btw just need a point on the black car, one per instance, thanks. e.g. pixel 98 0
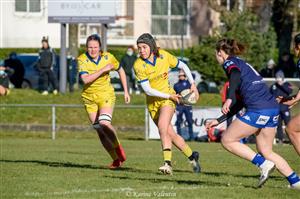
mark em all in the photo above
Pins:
pixel 31 76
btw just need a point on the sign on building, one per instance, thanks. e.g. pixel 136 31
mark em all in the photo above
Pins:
pixel 83 11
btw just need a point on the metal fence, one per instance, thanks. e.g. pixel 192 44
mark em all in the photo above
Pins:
pixel 53 108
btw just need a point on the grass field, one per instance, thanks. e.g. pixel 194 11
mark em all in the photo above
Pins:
pixel 34 166
pixel 71 116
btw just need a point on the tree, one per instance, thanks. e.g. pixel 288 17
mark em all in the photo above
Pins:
pixel 242 26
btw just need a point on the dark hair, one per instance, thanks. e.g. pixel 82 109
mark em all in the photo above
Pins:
pixel 147 38
pixel 230 46
pixel 45 39
pixel 297 39
pixel 94 37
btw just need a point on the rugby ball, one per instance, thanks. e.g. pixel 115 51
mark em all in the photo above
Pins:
pixel 188 97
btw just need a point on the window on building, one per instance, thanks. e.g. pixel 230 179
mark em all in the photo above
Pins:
pixel 169 17
pixel 28 6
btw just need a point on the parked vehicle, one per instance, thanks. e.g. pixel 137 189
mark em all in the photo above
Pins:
pixel 31 76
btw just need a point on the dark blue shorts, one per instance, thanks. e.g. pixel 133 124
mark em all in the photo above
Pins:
pixel 260 118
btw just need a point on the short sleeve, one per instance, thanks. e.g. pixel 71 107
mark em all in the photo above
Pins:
pixel 140 72
pixel 173 61
pixel 114 61
pixel 81 67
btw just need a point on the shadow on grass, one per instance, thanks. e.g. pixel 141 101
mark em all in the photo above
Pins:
pixel 75 165
pixel 217 174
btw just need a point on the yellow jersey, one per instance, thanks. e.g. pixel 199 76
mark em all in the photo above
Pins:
pixel 157 73
pixel 87 65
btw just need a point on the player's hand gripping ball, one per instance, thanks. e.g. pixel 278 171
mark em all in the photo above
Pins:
pixel 187 97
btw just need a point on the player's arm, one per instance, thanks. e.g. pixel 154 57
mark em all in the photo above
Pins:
pixel 89 78
pixel 234 83
pixel 124 84
pixel 153 92
pixel 234 110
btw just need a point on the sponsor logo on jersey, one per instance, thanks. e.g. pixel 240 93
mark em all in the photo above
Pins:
pixel 262 119
pixel 160 76
pixel 228 63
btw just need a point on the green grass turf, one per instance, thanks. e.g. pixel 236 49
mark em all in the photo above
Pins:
pixel 70 116
pixel 34 166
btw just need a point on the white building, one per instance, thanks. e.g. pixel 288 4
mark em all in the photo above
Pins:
pixel 24 23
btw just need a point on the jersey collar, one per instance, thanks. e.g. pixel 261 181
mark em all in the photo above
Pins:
pixel 92 60
pixel 149 62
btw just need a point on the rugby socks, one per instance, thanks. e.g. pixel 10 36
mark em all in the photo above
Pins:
pixel 258 160
pixel 116 142
pixel 113 154
pixel 187 151
pixel 167 156
pixel 293 178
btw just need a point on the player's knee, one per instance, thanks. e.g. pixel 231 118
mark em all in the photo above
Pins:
pixel 227 142
pixel 104 120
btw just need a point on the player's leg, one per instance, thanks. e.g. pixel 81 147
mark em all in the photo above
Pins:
pixel 179 142
pixel 179 114
pixel 107 144
pixel 293 130
pixel 264 143
pixel 105 117
pixel 231 142
pixel 91 106
pixel 163 121
pixel 231 139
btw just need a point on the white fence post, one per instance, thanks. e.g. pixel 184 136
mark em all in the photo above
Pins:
pixel 53 122
pixel 146 124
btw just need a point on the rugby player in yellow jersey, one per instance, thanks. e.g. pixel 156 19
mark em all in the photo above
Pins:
pixel 151 70
pixel 99 97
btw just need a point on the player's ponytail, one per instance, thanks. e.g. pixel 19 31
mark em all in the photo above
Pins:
pixel 230 46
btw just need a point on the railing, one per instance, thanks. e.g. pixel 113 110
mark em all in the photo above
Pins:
pixel 54 106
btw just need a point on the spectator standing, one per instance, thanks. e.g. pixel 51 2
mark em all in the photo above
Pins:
pixel 284 89
pixel 127 63
pixel 287 65
pixel 45 66
pixel 14 63
pixel 181 109
pixel 269 70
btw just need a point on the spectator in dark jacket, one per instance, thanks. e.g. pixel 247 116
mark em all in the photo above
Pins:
pixel 287 65
pixel 185 110
pixel 127 64
pixel 45 66
pixel 269 70
pixel 284 89
pixel 14 63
